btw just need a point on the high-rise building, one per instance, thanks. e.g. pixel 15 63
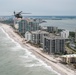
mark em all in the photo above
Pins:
pixel 65 34
pixel 37 37
pixel 28 25
pixel 52 29
pixel 23 26
pixel 54 44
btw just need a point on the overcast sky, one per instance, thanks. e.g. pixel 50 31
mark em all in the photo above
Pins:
pixel 39 7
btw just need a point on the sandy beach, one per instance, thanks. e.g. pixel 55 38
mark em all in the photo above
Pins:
pixel 50 60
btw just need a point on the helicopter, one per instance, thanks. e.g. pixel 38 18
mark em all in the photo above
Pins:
pixel 18 15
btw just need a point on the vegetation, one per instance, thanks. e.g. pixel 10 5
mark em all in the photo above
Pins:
pixel 72 50
pixel 72 34
pixel 59 30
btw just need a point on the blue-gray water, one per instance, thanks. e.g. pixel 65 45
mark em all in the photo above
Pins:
pixel 14 60
pixel 62 22
pixel 68 24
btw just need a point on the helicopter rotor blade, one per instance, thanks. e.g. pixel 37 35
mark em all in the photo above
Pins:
pixel 26 13
pixel 20 12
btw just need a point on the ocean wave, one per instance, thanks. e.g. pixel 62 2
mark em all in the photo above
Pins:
pixel 41 63
pixel 33 65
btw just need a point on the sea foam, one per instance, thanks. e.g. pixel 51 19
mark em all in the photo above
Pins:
pixel 29 53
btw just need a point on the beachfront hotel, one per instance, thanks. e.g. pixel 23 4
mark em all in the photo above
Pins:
pixel 48 40
pixel 23 26
pixel 28 25
pixel 37 37
pixel 54 44
pixel 42 34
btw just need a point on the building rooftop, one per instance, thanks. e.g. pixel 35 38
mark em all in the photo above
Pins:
pixel 29 20
pixel 69 55
pixel 25 19
pixel 53 36
pixel 52 26
pixel 40 32
pixel 65 31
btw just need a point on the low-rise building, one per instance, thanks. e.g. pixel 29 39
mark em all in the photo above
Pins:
pixel 54 44
pixel 70 58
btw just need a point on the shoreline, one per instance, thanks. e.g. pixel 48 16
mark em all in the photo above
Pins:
pixel 50 61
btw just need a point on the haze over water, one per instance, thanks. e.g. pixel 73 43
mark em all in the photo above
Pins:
pixel 14 60
pixel 62 22
pixel 69 24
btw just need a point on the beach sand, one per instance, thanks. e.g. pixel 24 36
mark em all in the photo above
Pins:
pixel 49 60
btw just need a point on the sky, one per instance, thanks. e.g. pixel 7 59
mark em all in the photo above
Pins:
pixel 39 7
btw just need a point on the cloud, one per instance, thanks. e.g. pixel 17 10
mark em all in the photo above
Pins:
pixel 52 7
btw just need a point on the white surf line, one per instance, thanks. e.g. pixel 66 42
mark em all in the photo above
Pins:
pixel 48 67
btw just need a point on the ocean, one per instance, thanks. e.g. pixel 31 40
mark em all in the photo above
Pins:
pixel 15 60
pixel 62 22
pixel 67 24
